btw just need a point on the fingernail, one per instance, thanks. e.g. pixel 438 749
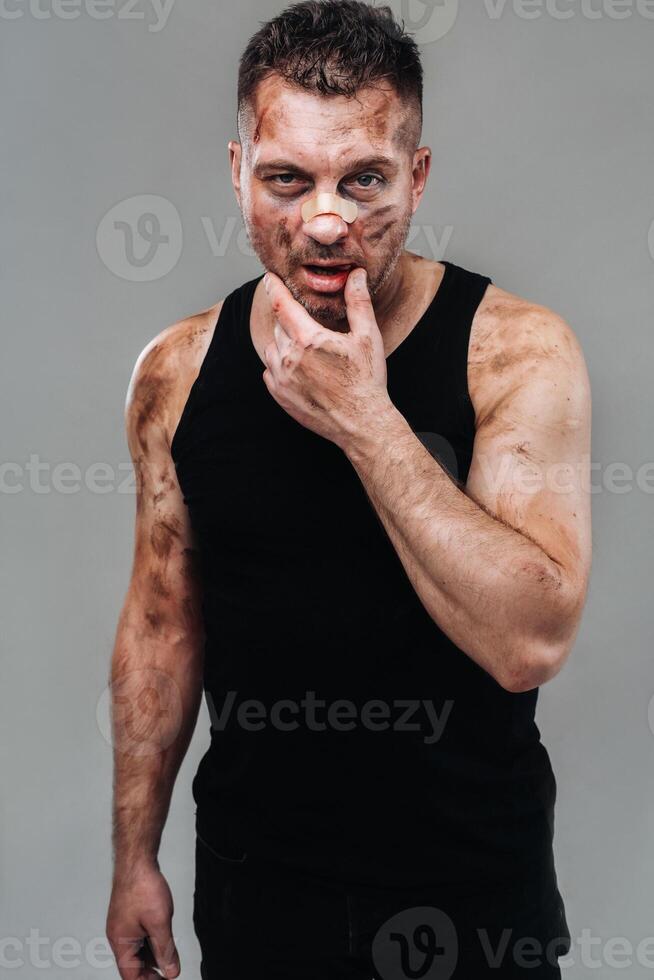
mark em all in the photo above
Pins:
pixel 266 282
pixel 361 277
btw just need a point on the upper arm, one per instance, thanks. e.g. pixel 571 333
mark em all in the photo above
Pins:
pixel 531 458
pixel 164 597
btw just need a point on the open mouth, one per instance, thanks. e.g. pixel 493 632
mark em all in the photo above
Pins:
pixel 327 279
pixel 331 270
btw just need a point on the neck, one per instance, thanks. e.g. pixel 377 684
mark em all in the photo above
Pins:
pixel 390 299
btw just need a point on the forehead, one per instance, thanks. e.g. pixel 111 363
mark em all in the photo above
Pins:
pixel 313 127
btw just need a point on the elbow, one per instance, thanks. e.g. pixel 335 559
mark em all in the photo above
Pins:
pixel 527 671
pixel 537 661
pixel 539 657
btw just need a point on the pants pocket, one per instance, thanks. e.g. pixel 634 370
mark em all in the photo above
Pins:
pixel 211 896
pixel 238 857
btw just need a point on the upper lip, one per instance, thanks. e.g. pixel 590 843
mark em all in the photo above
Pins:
pixel 329 265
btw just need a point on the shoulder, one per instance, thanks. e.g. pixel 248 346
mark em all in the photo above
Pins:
pixel 164 373
pixel 518 345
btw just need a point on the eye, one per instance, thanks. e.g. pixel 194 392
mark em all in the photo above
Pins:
pixel 285 179
pixel 369 177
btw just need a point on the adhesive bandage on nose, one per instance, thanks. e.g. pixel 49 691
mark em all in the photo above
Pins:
pixel 330 204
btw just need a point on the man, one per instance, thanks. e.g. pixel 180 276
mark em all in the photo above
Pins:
pixel 362 522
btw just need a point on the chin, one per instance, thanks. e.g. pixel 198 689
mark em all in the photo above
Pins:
pixel 326 310
pixel 318 305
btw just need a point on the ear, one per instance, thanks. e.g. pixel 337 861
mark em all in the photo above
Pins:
pixel 421 168
pixel 235 156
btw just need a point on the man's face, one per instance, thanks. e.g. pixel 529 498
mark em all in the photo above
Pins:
pixel 299 144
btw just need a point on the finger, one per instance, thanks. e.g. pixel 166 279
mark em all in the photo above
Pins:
pixel 129 959
pixel 162 952
pixel 149 973
pixel 273 361
pixel 285 345
pixel 298 324
pixel 360 311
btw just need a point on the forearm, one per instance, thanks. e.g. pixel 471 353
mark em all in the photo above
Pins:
pixel 156 685
pixel 492 590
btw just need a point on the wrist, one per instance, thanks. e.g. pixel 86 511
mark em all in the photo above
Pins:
pixel 129 868
pixel 382 424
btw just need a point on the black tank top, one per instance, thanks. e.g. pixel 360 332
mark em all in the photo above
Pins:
pixel 371 749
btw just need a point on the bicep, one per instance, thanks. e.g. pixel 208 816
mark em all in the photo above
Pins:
pixel 531 460
pixel 165 585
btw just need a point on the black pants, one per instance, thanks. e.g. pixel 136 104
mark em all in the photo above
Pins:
pixel 256 923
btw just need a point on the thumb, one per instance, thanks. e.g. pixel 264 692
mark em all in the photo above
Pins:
pixel 163 948
pixel 360 312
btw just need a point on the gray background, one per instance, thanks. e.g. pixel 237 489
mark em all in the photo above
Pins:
pixel 543 136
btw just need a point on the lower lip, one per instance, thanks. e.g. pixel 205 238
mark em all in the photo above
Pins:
pixel 327 283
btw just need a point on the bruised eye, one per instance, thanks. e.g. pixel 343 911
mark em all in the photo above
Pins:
pixel 369 177
pixel 286 180
pixel 363 181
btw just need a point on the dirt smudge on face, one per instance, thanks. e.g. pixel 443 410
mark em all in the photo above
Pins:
pixel 376 236
pixel 404 137
pixel 259 126
pixel 284 238
pixel 378 123
pixel 375 219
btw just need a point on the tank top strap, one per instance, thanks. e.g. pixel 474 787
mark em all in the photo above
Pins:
pixel 460 303
pixel 233 321
pixel 224 353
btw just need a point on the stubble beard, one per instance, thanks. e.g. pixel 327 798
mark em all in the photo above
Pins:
pixel 333 315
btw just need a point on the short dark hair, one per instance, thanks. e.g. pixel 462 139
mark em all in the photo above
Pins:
pixel 334 47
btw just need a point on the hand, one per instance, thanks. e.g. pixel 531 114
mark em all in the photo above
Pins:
pixel 332 383
pixel 142 906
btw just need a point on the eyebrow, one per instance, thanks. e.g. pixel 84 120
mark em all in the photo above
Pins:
pixel 363 163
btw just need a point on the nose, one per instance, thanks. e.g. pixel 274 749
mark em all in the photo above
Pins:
pixel 326 229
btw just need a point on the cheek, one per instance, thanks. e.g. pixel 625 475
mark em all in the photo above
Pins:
pixel 283 237
pixel 379 224
pixel 273 221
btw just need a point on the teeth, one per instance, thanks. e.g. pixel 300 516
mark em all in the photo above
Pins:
pixel 335 270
